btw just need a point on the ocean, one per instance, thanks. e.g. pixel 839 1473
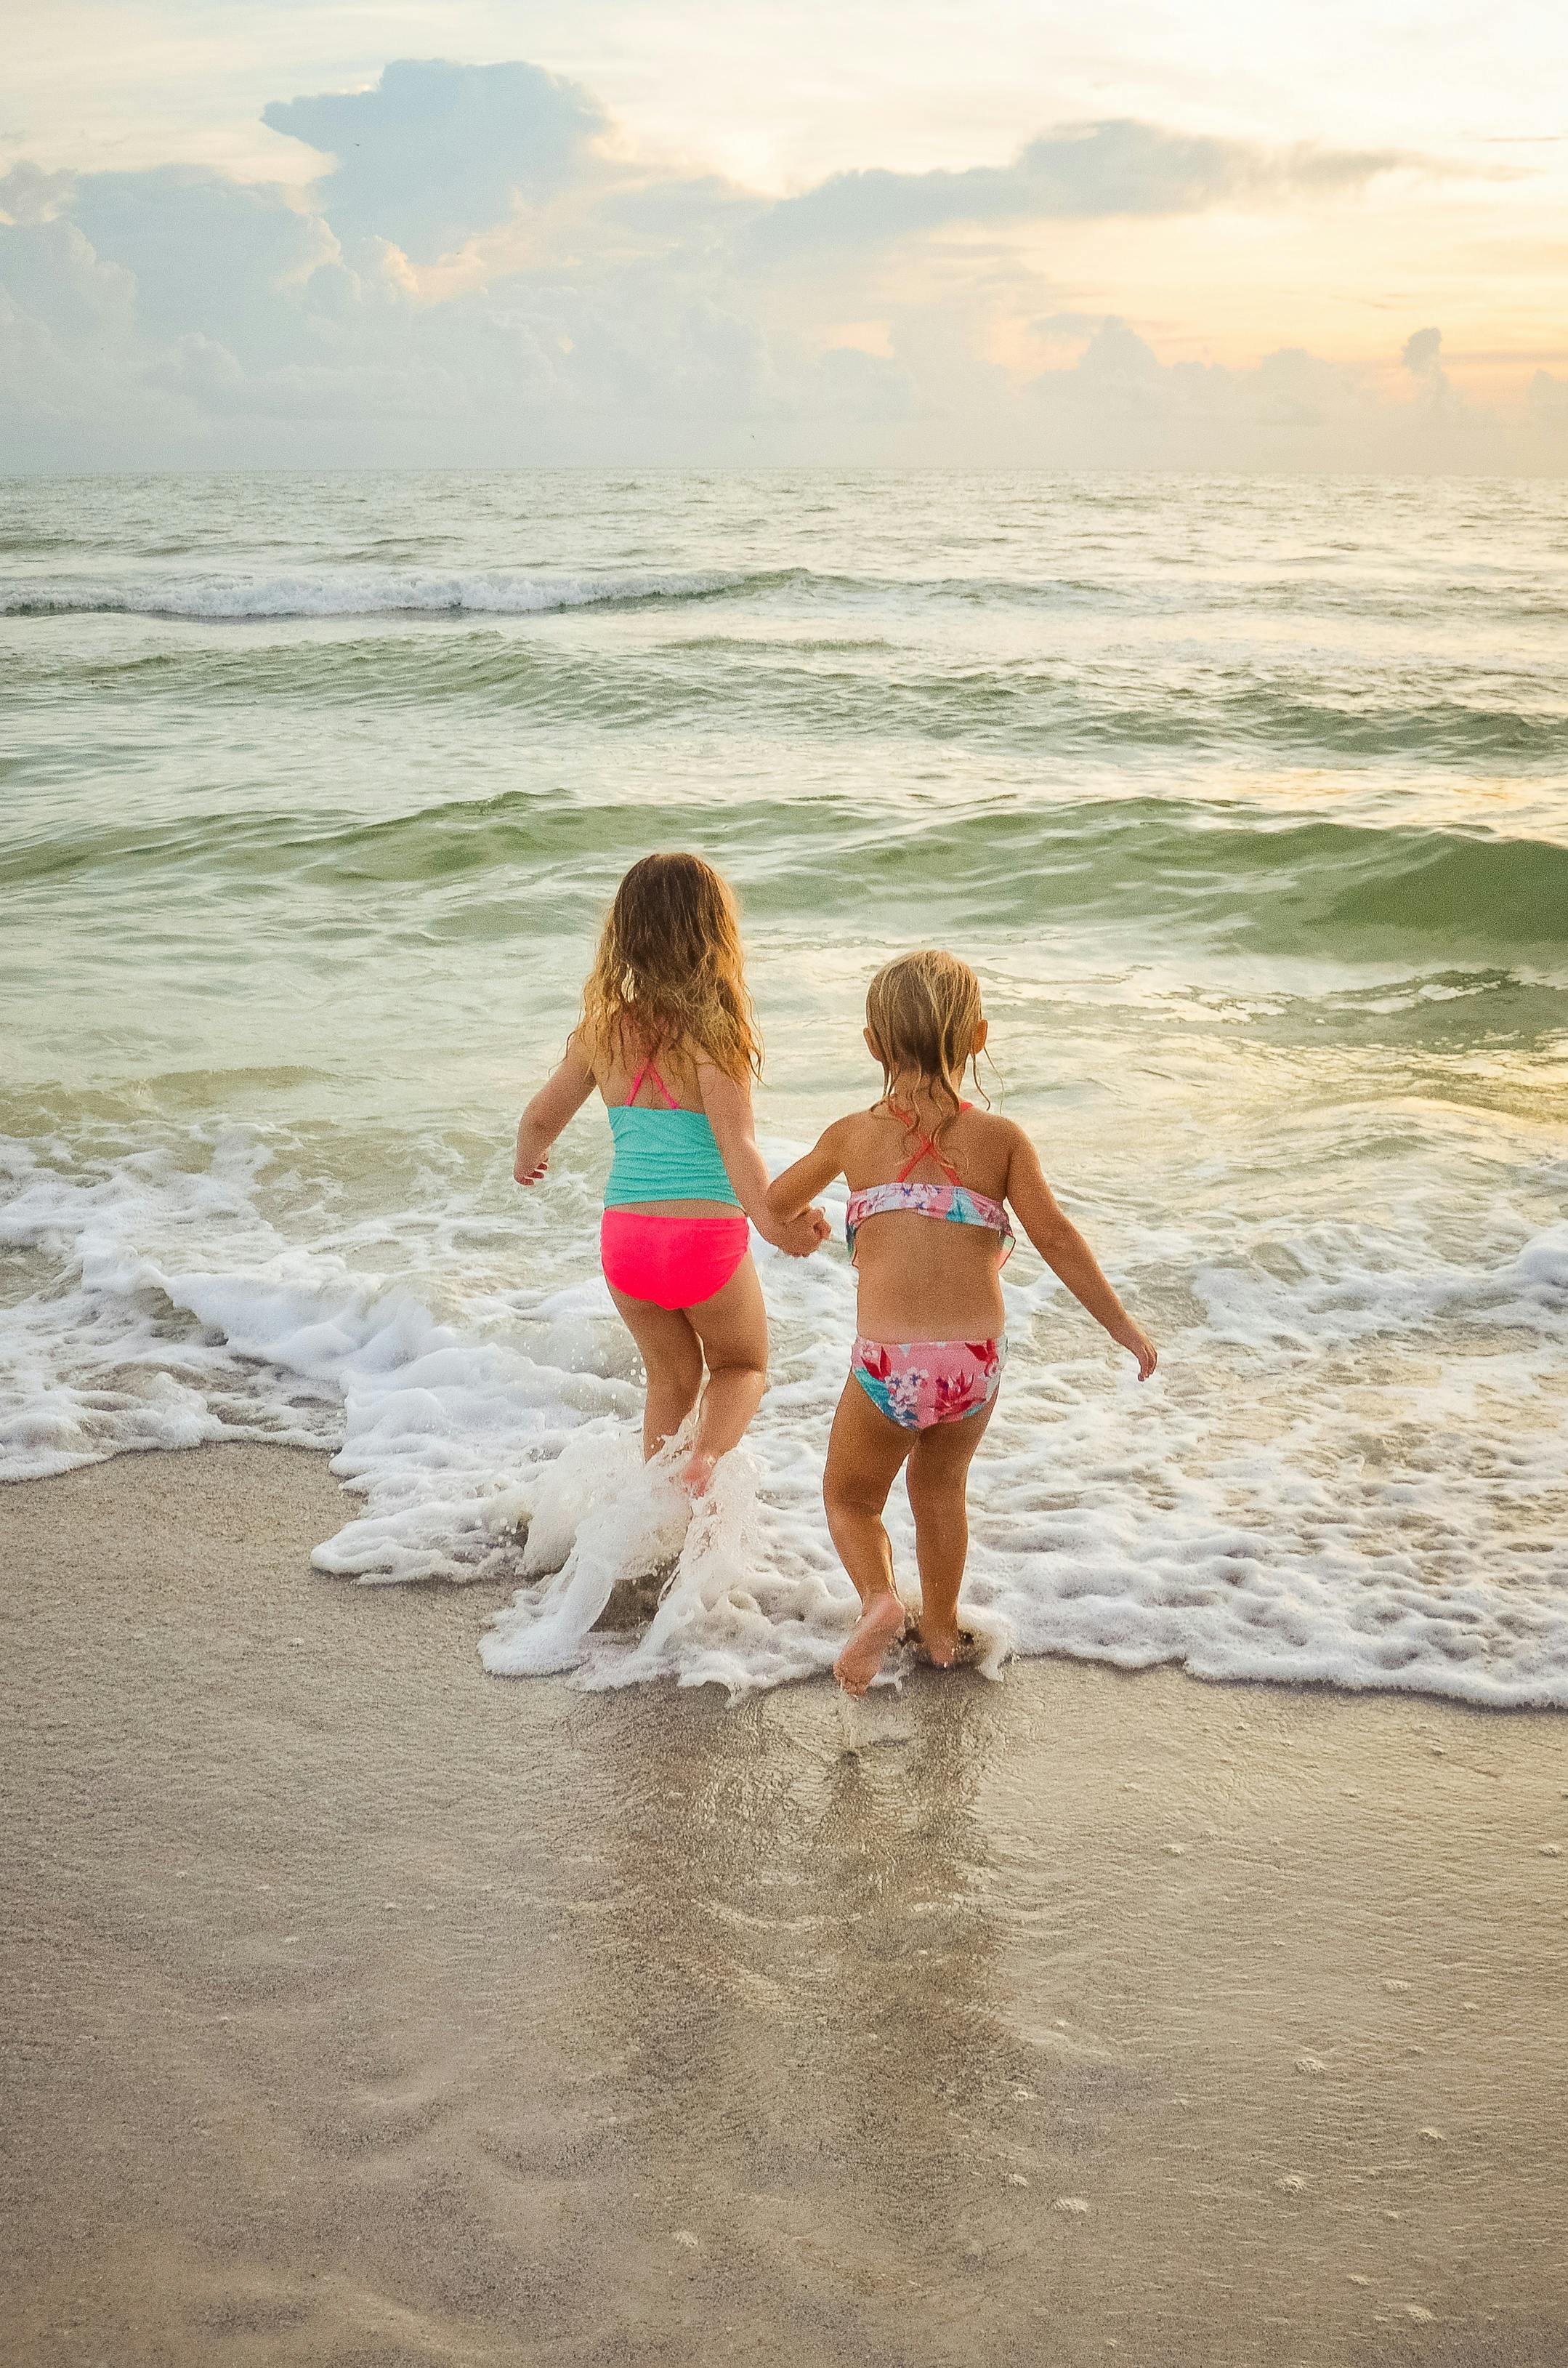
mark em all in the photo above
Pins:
pixel 1247 798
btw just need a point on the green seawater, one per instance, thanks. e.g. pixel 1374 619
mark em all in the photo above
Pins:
pixel 1248 800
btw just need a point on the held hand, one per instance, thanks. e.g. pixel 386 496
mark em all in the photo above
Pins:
pixel 801 1234
pixel 1136 1341
pixel 535 1175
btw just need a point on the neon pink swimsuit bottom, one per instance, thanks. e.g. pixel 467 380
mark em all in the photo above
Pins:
pixel 918 1382
pixel 674 1261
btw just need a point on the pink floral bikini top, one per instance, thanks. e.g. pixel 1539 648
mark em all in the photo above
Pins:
pixel 952 1202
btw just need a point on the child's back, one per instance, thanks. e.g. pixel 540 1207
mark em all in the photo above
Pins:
pixel 939 1280
pixel 666 1038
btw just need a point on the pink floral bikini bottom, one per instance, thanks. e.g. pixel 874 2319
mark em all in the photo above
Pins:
pixel 918 1382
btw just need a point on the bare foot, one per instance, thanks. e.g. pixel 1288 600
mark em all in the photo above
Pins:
pixel 697 1473
pixel 939 1646
pixel 879 1625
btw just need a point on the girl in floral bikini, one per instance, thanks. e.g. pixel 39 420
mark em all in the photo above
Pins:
pixel 924 1402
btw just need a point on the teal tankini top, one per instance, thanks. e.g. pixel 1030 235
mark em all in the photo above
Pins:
pixel 664 1154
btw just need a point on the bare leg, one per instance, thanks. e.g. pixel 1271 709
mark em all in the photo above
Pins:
pixel 732 1328
pixel 864 1452
pixel 672 1359
pixel 937 1480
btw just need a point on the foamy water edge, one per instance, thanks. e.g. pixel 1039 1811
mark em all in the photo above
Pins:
pixel 1106 1524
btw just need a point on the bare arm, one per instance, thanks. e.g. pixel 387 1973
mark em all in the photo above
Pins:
pixel 798 1186
pixel 728 1105
pixel 559 1099
pixel 1068 1255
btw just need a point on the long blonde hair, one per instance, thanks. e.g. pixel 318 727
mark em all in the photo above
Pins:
pixel 670 971
pixel 922 1011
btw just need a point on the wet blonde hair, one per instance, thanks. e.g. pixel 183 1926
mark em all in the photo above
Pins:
pixel 670 973
pixel 922 1011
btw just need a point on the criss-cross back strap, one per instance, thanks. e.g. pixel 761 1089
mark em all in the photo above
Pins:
pixel 926 1149
pixel 649 1069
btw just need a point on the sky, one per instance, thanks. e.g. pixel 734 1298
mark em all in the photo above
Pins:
pixel 1329 235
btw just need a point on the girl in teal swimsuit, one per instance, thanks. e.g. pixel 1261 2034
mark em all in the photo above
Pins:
pixel 667 1037
pixel 927 1359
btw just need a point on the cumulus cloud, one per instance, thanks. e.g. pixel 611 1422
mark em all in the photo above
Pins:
pixel 1422 348
pixel 1441 402
pixel 1118 395
pixel 29 194
pixel 67 321
pixel 436 151
pixel 1117 404
pixel 481 273
pixel 205 253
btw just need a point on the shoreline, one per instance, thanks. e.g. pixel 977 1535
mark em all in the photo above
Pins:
pixel 367 2007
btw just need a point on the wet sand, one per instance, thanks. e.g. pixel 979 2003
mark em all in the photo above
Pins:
pixel 364 2010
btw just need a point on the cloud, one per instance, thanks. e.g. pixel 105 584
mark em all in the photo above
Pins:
pixel 226 326
pixel 481 273
pixel 51 275
pixel 205 253
pixel 1440 401
pixel 1119 380
pixel 1421 352
pixel 436 151
pixel 1080 170
pixel 1119 405
pixel 29 194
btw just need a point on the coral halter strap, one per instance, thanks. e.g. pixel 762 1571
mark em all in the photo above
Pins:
pixel 955 1200
pixel 649 1069
pixel 925 1148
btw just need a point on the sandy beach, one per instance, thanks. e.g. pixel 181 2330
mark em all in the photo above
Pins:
pixel 365 2009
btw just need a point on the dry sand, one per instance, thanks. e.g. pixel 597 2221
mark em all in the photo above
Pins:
pixel 364 2010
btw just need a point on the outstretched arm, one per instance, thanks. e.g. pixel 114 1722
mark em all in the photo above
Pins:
pixel 1068 1255
pixel 728 1105
pixel 556 1101
pixel 795 1188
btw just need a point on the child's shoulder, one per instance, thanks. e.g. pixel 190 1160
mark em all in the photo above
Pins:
pixel 855 1124
pixel 983 1143
pixel 979 1125
pixel 991 1128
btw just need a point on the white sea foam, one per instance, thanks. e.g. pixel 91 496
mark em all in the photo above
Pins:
pixel 1350 1469
pixel 223 1330
pixel 350 592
